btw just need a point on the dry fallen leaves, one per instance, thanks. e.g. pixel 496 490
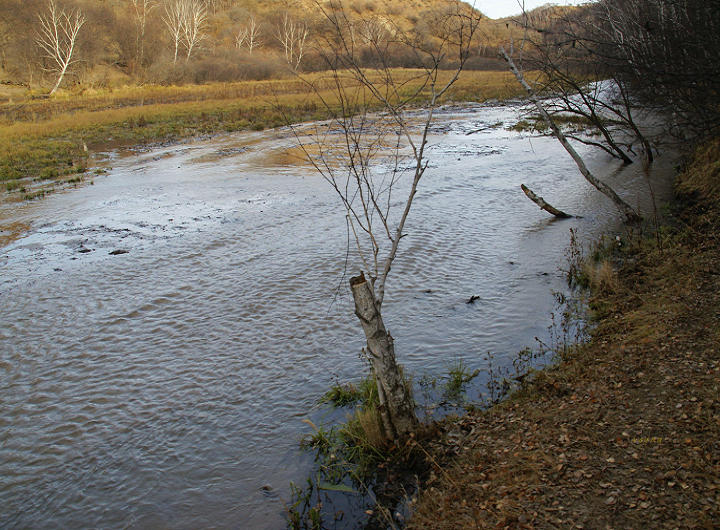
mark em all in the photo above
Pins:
pixel 623 434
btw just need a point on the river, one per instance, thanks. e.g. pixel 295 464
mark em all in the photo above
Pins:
pixel 166 329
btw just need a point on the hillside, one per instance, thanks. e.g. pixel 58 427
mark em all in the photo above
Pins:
pixel 135 41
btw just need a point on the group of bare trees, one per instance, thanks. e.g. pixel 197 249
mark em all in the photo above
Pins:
pixel 249 36
pixel 668 53
pixel 627 69
pixel 185 20
pixel 192 40
pixel 292 35
pixel 652 56
pixel 69 39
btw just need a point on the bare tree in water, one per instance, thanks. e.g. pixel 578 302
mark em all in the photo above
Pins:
pixel 587 107
pixel 373 152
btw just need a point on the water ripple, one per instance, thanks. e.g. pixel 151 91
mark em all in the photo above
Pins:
pixel 164 386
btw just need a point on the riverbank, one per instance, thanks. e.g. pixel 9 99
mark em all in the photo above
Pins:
pixel 47 142
pixel 623 431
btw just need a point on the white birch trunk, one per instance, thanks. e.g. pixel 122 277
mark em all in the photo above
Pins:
pixel 396 405
pixel 57 35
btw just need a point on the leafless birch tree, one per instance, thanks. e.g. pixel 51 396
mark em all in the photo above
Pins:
pixel 185 20
pixel 194 26
pixel 57 36
pixel 142 10
pixel 173 19
pixel 292 35
pixel 249 36
pixel 373 152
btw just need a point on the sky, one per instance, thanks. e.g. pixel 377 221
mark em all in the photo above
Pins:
pixel 506 8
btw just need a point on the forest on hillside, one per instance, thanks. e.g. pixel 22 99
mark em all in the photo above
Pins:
pixel 197 41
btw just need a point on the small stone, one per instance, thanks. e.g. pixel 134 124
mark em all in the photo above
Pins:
pixel 522 519
pixel 611 501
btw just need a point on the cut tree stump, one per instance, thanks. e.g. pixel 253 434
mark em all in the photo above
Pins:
pixel 397 409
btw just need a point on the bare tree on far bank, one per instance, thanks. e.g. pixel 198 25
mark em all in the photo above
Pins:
pixel 142 9
pixel 186 20
pixel 293 37
pixel 373 152
pixel 249 35
pixel 57 36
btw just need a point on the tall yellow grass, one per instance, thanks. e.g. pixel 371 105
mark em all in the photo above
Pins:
pixel 43 137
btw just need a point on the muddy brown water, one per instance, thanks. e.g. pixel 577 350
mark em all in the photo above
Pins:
pixel 165 386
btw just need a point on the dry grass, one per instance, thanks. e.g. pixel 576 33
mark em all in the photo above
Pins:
pixel 623 432
pixel 602 277
pixel 45 139
pixel 370 427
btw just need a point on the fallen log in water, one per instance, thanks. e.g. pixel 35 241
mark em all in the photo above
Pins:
pixel 542 204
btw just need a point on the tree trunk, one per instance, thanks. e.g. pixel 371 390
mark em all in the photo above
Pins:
pixel 542 204
pixel 59 80
pixel 603 188
pixel 396 406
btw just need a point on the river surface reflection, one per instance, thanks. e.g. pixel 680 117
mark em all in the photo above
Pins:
pixel 167 329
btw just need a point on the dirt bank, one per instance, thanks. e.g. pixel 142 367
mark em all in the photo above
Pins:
pixel 625 431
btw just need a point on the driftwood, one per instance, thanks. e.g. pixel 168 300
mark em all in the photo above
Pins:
pixel 542 204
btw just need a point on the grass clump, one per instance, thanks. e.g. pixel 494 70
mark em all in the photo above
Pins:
pixel 343 395
pixel 355 458
pixel 459 374
pixel 633 409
